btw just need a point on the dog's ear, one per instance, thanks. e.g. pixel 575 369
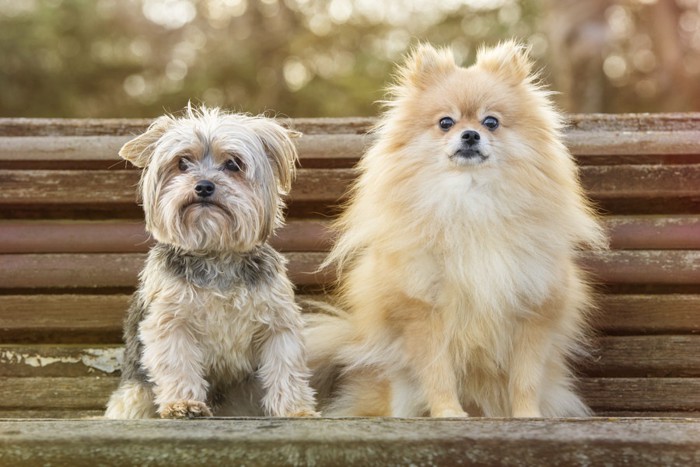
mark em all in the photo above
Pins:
pixel 509 60
pixel 280 149
pixel 425 64
pixel 138 151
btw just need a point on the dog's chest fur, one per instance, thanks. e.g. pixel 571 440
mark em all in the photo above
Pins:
pixel 216 298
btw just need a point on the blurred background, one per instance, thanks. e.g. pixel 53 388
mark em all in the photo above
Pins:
pixel 329 58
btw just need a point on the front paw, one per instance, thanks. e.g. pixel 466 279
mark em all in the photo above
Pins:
pixel 308 413
pixel 184 409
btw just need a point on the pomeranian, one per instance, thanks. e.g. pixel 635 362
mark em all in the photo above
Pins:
pixel 456 253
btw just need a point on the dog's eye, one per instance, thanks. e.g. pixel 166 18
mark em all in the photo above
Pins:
pixel 490 122
pixel 234 165
pixel 183 164
pixel 446 123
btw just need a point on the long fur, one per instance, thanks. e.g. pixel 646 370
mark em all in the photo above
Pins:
pixel 458 279
pixel 213 327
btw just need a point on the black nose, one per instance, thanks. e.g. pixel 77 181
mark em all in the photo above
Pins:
pixel 204 188
pixel 471 137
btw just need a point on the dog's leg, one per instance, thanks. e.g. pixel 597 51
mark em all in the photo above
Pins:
pixel 174 363
pixel 132 399
pixel 532 345
pixel 429 355
pixel 283 371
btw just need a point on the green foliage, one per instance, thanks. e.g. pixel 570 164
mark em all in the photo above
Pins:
pixel 302 58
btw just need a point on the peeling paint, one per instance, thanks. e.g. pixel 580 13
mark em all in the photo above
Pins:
pixel 107 360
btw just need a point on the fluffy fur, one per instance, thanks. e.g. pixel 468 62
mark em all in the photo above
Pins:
pixel 213 327
pixel 456 253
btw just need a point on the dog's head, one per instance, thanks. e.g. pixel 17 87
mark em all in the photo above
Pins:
pixel 213 181
pixel 473 117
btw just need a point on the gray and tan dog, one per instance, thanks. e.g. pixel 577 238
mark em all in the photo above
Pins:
pixel 213 326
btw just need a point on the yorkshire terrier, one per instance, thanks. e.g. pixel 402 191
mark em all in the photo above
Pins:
pixel 213 327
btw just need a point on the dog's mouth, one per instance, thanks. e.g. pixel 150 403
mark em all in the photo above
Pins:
pixel 202 204
pixel 465 156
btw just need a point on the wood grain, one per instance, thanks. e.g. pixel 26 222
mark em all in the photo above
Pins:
pixel 351 442
pixel 602 394
pixel 79 270
pixel 613 356
pixel 649 314
pixel 51 187
pixel 116 270
pixel 129 236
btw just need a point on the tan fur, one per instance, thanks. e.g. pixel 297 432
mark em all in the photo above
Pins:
pixel 459 278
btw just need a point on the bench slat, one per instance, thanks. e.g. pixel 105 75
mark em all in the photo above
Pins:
pixel 326 150
pixel 649 314
pixel 644 267
pixel 128 126
pixel 92 392
pixel 642 182
pixel 626 232
pixel 121 270
pixel 619 356
pixel 95 319
pixel 641 393
pixel 116 270
pixel 344 149
pixel 131 237
pixel 354 442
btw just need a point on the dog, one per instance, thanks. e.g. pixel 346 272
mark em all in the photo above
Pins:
pixel 458 285
pixel 213 327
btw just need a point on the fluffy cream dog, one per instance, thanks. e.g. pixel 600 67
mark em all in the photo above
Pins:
pixel 213 327
pixel 457 252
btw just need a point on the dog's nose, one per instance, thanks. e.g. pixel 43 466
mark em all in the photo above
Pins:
pixel 204 188
pixel 471 137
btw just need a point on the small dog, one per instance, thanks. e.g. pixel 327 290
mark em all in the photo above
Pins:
pixel 456 254
pixel 213 326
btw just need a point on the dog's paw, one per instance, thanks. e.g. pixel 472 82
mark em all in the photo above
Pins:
pixel 308 413
pixel 185 409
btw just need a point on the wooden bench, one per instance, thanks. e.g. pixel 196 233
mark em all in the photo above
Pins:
pixel 72 243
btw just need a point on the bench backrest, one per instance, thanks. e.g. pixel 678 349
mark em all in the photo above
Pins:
pixel 72 243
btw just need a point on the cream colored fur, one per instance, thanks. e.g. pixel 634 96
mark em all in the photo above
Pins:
pixel 458 278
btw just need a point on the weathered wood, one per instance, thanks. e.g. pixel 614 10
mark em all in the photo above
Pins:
pixel 85 319
pixel 129 236
pixel 654 232
pixel 72 414
pixel 134 126
pixel 613 356
pixel 602 394
pixel 78 187
pixel 116 270
pixel 97 319
pixel 121 270
pixel 639 394
pixel 649 314
pixel 644 356
pixel 60 360
pixel 354 442
pixel 642 182
pixel 644 267
pixel 330 150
